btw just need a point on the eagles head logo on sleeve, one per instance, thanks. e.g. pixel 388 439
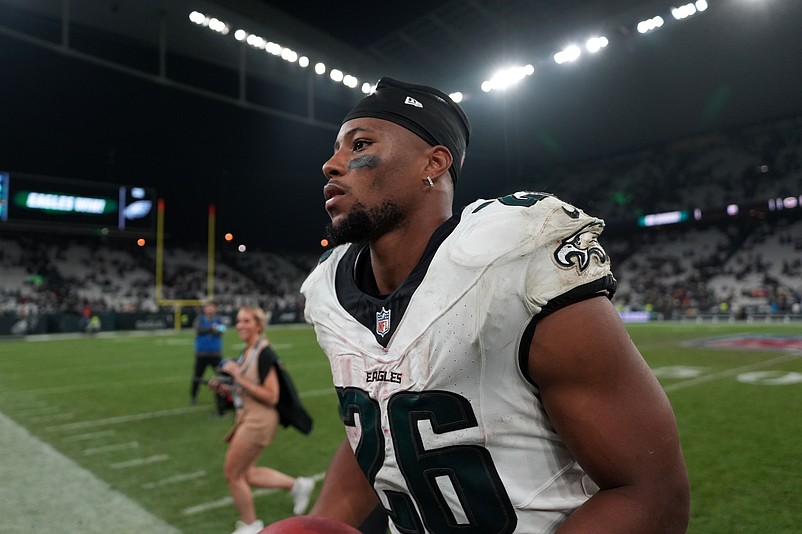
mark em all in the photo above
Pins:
pixel 577 250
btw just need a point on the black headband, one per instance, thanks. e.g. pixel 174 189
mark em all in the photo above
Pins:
pixel 427 112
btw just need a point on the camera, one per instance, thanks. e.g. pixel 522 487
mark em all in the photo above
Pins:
pixel 224 379
pixel 224 387
pixel 221 378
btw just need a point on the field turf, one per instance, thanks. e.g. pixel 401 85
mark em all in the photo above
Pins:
pixel 117 405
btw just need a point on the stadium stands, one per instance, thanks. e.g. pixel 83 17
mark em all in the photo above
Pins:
pixel 41 274
pixel 732 268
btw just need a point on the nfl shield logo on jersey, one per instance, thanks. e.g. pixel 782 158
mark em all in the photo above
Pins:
pixel 382 322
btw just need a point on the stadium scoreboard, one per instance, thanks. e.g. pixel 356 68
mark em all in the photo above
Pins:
pixel 47 202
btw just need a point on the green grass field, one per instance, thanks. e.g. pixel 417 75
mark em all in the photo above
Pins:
pixel 118 406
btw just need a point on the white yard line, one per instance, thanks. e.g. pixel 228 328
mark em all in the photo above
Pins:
pixel 102 385
pixel 225 502
pixel 175 479
pixel 44 491
pixel 107 335
pixel 89 435
pixel 41 410
pixel 78 425
pixel 52 417
pixel 111 448
pixel 136 462
pixel 730 372
pixel 114 385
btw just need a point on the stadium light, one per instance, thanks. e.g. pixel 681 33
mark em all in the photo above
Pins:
pixel 682 12
pixel 500 80
pixel 651 24
pixel 456 97
pixel 594 44
pixel 567 55
pixel 350 81
pixel 290 55
pixel 271 47
pixel 218 25
pixel 197 17
pixel 688 10
pixel 506 78
pixel 255 41
pixel 209 22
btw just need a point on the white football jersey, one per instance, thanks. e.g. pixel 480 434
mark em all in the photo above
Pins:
pixel 432 380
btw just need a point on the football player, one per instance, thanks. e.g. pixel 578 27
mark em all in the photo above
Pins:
pixel 485 380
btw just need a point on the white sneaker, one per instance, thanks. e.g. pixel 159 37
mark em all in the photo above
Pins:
pixel 245 528
pixel 301 491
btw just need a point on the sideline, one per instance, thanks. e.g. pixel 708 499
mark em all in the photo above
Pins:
pixel 44 491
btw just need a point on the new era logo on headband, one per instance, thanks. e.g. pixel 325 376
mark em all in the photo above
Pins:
pixel 412 102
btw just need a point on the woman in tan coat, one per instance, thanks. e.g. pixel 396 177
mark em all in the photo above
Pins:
pixel 255 392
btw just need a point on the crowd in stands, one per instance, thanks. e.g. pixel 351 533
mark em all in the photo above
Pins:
pixel 740 166
pixel 736 267
pixel 41 273
pixel 742 269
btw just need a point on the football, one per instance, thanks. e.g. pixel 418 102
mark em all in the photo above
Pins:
pixel 307 524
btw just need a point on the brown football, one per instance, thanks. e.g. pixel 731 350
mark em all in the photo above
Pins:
pixel 307 524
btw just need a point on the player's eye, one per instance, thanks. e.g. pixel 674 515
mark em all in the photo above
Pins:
pixel 359 144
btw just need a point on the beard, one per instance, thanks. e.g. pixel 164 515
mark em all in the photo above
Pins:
pixel 363 224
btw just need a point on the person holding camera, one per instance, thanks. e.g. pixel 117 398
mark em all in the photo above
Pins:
pixel 252 380
pixel 209 328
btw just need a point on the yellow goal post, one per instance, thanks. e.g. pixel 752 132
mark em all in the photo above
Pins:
pixel 178 304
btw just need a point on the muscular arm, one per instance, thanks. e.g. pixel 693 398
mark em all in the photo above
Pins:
pixel 346 494
pixel 614 418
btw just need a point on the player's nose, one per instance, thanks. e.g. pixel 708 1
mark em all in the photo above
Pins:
pixel 335 166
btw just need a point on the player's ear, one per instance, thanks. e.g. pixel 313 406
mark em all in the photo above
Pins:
pixel 439 161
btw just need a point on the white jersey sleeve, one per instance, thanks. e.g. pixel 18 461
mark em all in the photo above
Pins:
pixel 553 245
